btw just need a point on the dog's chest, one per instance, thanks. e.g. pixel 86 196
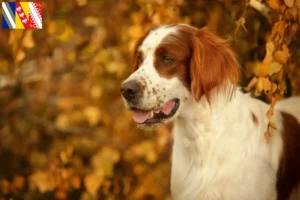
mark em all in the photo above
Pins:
pixel 214 167
pixel 200 167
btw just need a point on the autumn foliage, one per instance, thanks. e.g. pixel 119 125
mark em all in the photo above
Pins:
pixel 64 131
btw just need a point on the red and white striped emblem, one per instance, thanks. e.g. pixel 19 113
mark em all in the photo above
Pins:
pixel 35 14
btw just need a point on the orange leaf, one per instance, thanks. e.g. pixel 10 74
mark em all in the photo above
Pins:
pixel 267 85
pixel 76 182
pixel 272 126
pixel 273 101
pixel 282 88
pixel 92 183
pixel 282 25
pixel 259 87
pixel 251 84
pixel 274 4
pixel 298 4
pixel 281 57
pixel 270 113
pixel 291 13
pixel 275 67
pixel 274 87
pixel 289 3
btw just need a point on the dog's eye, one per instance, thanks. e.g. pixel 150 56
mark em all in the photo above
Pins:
pixel 167 60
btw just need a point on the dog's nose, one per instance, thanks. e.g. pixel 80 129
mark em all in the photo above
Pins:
pixel 130 89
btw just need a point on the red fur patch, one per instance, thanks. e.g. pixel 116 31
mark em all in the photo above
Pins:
pixel 212 64
pixel 288 176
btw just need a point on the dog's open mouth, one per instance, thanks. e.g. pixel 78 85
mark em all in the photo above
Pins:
pixel 150 117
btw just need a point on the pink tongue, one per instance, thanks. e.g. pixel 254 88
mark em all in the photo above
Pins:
pixel 168 108
pixel 141 116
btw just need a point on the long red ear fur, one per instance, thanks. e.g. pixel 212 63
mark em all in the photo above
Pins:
pixel 212 64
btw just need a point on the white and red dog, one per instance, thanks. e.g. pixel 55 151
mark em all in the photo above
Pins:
pixel 189 76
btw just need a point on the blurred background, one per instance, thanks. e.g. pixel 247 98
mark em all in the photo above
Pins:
pixel 64 131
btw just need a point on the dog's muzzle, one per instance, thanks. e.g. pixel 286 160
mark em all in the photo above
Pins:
pixel 131 90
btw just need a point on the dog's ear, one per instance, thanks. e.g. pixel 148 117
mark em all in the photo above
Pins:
pixel 212 63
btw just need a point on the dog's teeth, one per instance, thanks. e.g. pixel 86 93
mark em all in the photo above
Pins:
pixel 151 115
pixel 157 111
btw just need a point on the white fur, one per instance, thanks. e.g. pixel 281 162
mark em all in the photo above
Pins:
pixel 219 151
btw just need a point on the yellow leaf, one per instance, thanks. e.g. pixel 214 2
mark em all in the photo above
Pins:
pixel 270 113
pixel 44 181
pixel 18 182
pixel 93 182
pixel 91 21
pixel 105 159
pixel 267 85
pixel 259 87
pixel 139 169
pixel 92 114
pixel 28 41
pixel 151 157
pixel 292 13
pixel 5 186
pixel 4 66
pixel 96 92
pixel 253 68
pixel 115 67
pixel 76 182
pixel 15 36
pixel 289 3
pixel 281 57
pixel 274 87
pixel 298 4
pixel 81 2
pixel 275 67
pixel 272 126
pixel 156 19
pixel 274 4
pixel 251 84
pixel 135 31
pixel 265 66
pixel 66 34
pixel 20 56
pixel 64 158
pixel 281 26
pixel 51 28
pixel 269 48
pixel 282 88
pixel 240 23
pixel 62 121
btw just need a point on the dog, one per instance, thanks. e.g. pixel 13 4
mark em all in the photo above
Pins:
pixel 189 76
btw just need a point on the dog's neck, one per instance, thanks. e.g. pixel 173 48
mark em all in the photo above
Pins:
pixel 198 131
pixel 207 115
pixel 201 123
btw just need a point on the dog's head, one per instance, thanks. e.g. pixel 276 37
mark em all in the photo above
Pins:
pixel 172 64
